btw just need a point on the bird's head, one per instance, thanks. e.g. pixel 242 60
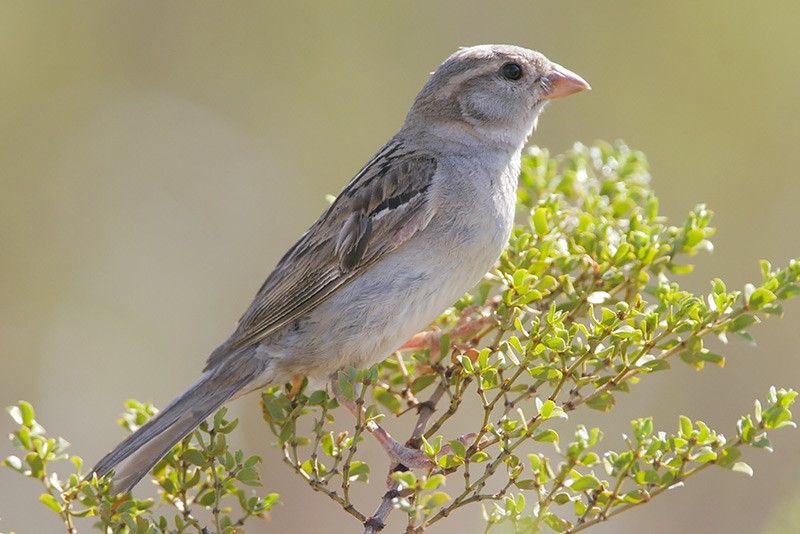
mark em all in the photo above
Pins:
pixel 494 92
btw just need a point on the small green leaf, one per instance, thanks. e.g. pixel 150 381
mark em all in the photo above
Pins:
pixel 728 456
pixel 26 410
pixel 556 343
pixel 458 448
pixel 685 426
pixel 318 397
pixel 540 221
pixel 406 478
pixel 248 476
pixel 479 457
pixel 761 297
pixel 535 461
pixel 421 382
pixel 545 408
pixel 435 500
pixel 704 455
pixel 556 523
pixel 207 499
pixel 547 436
pixel 603 402
pixel 586 482
pixel 466 363
pixel 194 456
pixel 345 386
pixel 742 322
pixel 388 399
pixel 433 482
pixel 51 502
pixel 359 471
pixel 526 484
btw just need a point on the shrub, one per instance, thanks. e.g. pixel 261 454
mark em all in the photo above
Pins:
pixel 582 306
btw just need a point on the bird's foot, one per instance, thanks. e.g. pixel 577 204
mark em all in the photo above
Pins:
pixel 407 455
pixel 466 329
pixel 398 453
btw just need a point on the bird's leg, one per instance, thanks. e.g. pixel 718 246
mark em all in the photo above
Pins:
pixel 465 329
pixel 398 453
pixel 297 385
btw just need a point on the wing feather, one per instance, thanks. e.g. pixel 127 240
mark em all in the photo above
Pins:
pixel 384 205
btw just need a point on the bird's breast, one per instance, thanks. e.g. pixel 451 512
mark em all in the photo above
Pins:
pixel 404 291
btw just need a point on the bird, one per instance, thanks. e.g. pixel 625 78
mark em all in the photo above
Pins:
pixel 419 225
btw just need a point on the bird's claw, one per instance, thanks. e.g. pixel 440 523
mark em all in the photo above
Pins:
pixel 399 453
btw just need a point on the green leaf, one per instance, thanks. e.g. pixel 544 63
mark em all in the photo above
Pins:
pixel 728 456
pixel 421 382
pixel 194 456
pixel 428 449
pixel 345 386
pixel 406 478
pixel 458 448
pixel 603 402
pixel 742 322
pixel 435 500
pixel 761 297
pixel 635 496
pixel 248 476
pixel 388 399
pixel 466 363
pixel 51 502
pixel 545 408
pixel 586 482
pixel 527 484
pixel 547 436
pixel 718 286
pixel 318 397
pixel 704 455
pixel 535 461
pixel 540 221
pixel 207 499
pixel 647 476
pixel 681 269
pixel 479 457
pixel 556 343
pixel 26 410
pixel 686 427
pixel 433 482
pixel 514 342
pixel 359 471
pixel 556 523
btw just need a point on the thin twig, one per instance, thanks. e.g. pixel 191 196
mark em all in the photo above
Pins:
pixel 376 522
pixel 316 485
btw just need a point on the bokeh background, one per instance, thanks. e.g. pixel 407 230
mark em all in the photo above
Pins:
pixel 157 158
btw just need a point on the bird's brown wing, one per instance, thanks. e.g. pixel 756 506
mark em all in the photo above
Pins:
pixel 386 203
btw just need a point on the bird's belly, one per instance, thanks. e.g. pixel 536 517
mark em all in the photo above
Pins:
pixel 373 315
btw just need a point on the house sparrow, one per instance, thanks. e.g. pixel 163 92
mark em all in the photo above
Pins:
pixel 418 226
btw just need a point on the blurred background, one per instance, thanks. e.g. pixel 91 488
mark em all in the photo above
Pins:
pixel 156 159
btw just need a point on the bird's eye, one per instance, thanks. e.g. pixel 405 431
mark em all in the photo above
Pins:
pixel 511 71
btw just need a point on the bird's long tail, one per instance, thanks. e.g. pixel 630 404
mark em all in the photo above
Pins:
pixel 140 451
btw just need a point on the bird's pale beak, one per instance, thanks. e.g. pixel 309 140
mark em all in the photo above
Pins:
pixel 563 82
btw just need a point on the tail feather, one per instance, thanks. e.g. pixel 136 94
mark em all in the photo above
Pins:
pixel 139 452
